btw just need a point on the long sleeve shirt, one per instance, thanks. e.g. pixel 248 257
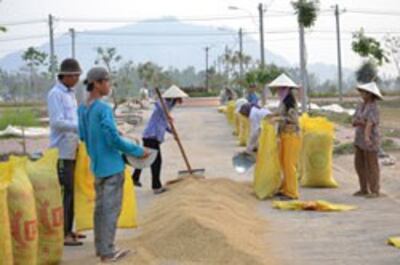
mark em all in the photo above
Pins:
pixel 158 124
pixel 256 116
pixel 97 129
pixel 62 108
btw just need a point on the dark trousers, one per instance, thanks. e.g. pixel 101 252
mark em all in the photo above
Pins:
pixel 367 167
pixel 66 169
pixel 155 167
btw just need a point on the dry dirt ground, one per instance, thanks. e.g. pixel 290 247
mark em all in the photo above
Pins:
pixel 301 238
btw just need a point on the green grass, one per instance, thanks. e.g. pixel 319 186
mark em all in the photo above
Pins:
pixel 24 117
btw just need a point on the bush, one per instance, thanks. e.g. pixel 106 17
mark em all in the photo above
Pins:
pixel 197 94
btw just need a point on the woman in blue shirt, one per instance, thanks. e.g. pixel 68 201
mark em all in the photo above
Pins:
pixel 153 135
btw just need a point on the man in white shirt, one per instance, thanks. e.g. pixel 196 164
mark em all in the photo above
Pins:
pixel 255 115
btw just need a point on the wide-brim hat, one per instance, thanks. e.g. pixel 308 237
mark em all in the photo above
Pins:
pixel 174 92
pixel 282 81
pixel 371 88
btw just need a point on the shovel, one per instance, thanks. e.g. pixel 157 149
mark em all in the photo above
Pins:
pixel 189 172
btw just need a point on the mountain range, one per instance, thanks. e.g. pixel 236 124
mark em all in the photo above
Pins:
pixel 176 43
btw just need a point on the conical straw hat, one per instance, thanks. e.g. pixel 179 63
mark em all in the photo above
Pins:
pixel 174 92
pixel 282 81
pixel 371 88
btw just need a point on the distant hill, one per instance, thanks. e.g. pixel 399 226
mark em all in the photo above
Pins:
pixel 184 48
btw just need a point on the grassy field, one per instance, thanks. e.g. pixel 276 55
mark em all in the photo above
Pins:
pixel 27 117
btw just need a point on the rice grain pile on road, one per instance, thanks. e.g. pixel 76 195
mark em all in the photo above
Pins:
pixel 202 222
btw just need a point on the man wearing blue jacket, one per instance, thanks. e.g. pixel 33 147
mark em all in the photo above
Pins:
pixel 97 129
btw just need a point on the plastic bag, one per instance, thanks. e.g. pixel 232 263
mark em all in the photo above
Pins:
pixel 49 207
pixel 244 130
pixel 267 172
pixel 6 255
pixel 22 211
pixel 85 195
pixel 230 112
pixel 317 149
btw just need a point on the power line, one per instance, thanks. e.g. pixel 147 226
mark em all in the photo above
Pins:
pixel 24 38
pixel 164 20
pixel 372 12
pixel 20 23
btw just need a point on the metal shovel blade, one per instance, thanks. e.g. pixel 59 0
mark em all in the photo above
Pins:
pixel 243 162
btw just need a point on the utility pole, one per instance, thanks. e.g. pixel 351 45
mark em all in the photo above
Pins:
pixel 241 54
pixel 303 70
pixel 52 58
pixel 339 54
pixel 261 15
pixel 72 31
pixel 207 49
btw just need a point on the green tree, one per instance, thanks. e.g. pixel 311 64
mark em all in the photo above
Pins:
pixel 109 58
pixel 373 54
pixel 33 59
pixel 151 74
pixel 262 76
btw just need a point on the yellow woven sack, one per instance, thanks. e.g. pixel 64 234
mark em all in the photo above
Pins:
pixel 230 112
pixel 49 207
pixel 244 130
pixel 267 172
pixel 22 212
pixel 316 154
pixel 237 124
pixel 6 256
pixel 85 195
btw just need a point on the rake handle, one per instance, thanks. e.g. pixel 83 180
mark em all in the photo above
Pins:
pixel 174 131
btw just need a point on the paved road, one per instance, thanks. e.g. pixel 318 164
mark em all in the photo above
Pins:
pixel 307 238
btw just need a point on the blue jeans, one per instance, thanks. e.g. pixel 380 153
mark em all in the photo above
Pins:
pixel 107 210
